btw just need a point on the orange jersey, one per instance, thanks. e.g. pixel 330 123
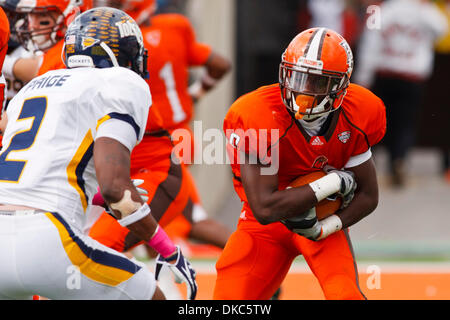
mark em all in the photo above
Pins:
pixel 52 59
pixel 357 125
pixel 4 36
pixel 172 49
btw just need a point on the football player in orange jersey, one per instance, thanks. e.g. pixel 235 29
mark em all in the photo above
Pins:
pixel 172 49
pixel 320 122
pixel 4 37
pixel 40 30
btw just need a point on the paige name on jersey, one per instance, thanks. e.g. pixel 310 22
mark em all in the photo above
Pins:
pixel 47 82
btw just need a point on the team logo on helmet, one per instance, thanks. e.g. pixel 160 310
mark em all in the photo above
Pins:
pixel 88 42
pixel 129 28
pixel 309 63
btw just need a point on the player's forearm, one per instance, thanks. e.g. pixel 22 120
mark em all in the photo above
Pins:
pixel 268 203
pixel 362 205
pixel 217 65
pixel 144 228
pixel 210 231
pixel 284 204
pixel 3 122
pixel 26 69
pixel 366 195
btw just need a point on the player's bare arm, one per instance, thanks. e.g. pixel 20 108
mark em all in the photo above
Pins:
pixel 112 164
pixel 366 194
pixel 267 202
pixel 3 122
pixel 210 231
pixel 26 69
pixel 216 66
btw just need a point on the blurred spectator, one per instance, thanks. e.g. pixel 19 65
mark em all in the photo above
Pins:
pixel 437 113
pixel 339 15
pixel 395 59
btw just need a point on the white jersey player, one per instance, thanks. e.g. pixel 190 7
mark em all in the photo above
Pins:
pixel 52 124
pixel 69 131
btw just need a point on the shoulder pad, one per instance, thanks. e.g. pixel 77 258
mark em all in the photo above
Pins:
pixel 366 112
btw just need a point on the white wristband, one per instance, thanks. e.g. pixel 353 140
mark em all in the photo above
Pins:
pixel 8 65
pixel 326 186
pixel 330 225
pixel 195 90
pixel 140 213
pixel 208 80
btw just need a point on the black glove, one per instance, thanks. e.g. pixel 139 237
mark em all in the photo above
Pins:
pixel 306 225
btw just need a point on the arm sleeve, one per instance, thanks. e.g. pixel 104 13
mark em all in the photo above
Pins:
pixel 198 53
pixel 436 21
pixel 355 161
pixel 368 120
pixel 118 130
pixel 124 100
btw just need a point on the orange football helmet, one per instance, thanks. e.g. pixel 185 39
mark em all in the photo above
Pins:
pixel 58 15
pixel 315 72
pixel 139 10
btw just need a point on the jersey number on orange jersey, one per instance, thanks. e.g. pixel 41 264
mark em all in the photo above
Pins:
pixel 166 74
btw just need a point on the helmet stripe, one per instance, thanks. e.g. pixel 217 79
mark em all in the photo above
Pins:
pixel 322 39
pixel 308 45
pixel 316 44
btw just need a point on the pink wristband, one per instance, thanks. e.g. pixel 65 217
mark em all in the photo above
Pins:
pixel 98 199
pixel 161 243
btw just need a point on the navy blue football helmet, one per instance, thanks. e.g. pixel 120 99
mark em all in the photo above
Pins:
pixel 104 38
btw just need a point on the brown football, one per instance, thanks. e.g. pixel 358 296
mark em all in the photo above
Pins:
pixel 324 208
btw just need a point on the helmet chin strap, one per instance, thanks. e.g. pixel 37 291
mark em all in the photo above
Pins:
pixel 110 54
pixel 39 43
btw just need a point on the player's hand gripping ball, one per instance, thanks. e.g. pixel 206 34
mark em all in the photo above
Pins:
pixel 326 207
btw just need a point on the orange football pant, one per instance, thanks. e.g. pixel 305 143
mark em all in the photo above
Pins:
pixel 181 226
pixel 257 258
